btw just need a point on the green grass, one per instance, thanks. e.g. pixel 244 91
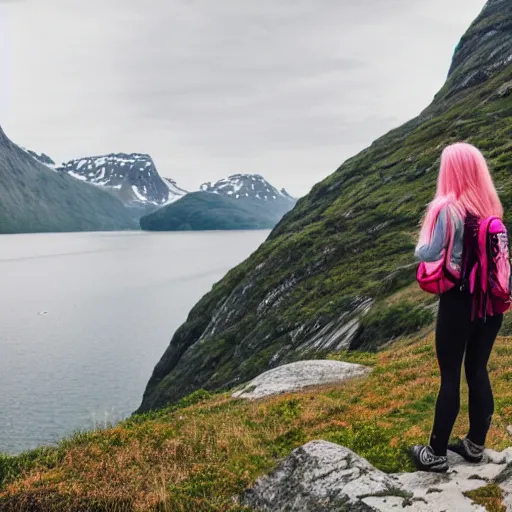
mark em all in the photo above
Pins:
pixel 490 497
pixel 202 452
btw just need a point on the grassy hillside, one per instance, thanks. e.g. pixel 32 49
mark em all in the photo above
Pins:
pixel 201 211
pixel 197 455
pixel 348 245
pixel 35 199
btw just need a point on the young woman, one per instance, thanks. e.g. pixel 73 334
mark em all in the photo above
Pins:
pixel 465 194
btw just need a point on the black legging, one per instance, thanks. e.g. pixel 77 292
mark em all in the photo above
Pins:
pixel 456 334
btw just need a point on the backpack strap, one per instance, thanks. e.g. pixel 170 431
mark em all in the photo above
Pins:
pixel 483 232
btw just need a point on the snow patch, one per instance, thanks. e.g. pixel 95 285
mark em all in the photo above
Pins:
pixel 77 176
pixel 138 194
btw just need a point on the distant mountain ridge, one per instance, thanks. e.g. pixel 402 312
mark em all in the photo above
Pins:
pixel 132 177
pixel 34 198
pixel 241 201
pixel 207 211
pixel 247 185
pixel 257 194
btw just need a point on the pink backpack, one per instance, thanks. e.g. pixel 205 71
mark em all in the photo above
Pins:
pixel 488 279
pixel 439 276
pixel 490 276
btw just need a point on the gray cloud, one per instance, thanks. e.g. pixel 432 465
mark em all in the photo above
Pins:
pixel 286 88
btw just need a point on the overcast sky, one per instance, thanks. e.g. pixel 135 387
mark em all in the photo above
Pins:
pixel 285 88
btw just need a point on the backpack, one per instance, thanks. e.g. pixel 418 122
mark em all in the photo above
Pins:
pixel 486 271
pixel 439 276
pixel 488 276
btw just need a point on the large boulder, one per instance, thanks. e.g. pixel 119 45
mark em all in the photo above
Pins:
pixel 318 477
pixel 300 375
pixel 322 476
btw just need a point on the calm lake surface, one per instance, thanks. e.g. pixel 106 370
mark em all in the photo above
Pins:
pixel 84 318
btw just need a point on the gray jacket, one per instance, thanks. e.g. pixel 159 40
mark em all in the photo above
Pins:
pixel 432 252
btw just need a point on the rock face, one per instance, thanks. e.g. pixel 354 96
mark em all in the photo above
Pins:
pixel 485 49
pixel 334 260
pixel 299 375
pixel 36 199
pixel 322 476
pixel 131 177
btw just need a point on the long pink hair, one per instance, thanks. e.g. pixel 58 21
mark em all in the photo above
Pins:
pixel 464 185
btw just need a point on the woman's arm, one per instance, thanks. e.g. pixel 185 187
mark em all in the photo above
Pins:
pixel 433 250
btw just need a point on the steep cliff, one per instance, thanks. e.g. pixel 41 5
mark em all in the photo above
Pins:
pixel 348 245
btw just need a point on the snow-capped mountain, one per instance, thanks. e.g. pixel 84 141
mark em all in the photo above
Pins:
pixel 35 199
pixel 132 177
pixel 242 201
pixel 250 186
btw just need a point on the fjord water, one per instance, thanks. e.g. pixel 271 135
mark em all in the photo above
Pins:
pixel 84 318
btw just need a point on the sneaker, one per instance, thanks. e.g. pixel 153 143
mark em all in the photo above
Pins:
pixel 425 459
pixel 470 451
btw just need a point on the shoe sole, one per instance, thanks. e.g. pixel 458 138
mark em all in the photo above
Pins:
pixel 430 469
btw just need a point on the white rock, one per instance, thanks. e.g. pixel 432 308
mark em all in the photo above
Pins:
pixel 486 471
pixel 496 457
pixel 297 376
pixel 321 476
pixel 434 502
pixel 505 482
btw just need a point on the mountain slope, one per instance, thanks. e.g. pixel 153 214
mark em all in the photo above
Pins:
pixel 41 158
pixel 202 211
pixel 253 188
pixel 347 246
pixel 133 178
pixel 36 199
